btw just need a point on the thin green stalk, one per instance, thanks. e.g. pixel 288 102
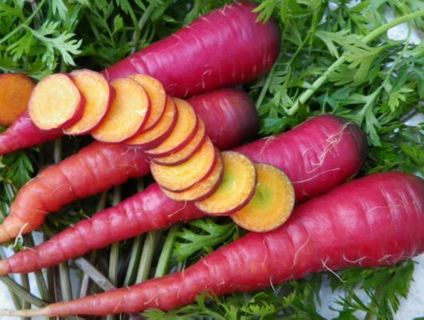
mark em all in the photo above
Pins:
pixel 150 243
pixel 369 37
pixel 39 278
pixel 114 251
pixel 136 250
pixel 134 260
pixel 165 255
pixel 65 282
pixel 85 281
pixel 22 293
pixel 15 299
pixel 94 274
pixel 25 284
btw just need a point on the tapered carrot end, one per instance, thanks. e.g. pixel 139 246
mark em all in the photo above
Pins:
pixel 4 268
pixel 24 313
pixel 4 235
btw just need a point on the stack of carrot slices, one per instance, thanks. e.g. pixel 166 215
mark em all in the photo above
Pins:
pixel 136 111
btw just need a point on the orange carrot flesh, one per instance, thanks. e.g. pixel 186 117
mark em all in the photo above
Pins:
pixel 127 113
pixel 185 153
pixel 157 97
pixel 237 186
pixel 184 175
pixel 97 95
pixel 181 134
pixel 55 102
pixel 272 203
pixel 204 187
pixel 15 91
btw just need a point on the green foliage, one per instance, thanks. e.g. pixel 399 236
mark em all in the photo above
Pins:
pixel 202 236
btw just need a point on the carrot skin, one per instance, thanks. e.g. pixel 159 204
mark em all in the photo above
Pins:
pixel 325 151
pixel 208 41
pixel 374 221
pixel 23 133
pixel 151 210
pixel 100 166
pixel 245 121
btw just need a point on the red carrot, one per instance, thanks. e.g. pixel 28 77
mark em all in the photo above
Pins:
pixel 374 221
pixel 23 133
pixel 226 47
pixel 152 210
pixel 99 166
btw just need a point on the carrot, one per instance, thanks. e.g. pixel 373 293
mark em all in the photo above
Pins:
pixel 15 90
pixel 23 133
pixel 100 166
pixel 225 47
pixel 152 210
pixel 184 65
pixel 384 225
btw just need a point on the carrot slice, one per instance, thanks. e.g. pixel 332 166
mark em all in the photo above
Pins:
pixel 181 134
pixel 15 91
pixel 272 203
pixel 236 189
pixel 186 174
pixel 204 187
pixel 157 96
pixel 185 152
pixel 127 112
pixel 155 136
pixel 55 102
pixel 97 94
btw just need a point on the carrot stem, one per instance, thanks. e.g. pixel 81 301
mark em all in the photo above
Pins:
pixel 165 255
pixel 94 274
pixel 150 243
pixel 134 260
pixel 85 281
pixel 21 292
pixel 26 286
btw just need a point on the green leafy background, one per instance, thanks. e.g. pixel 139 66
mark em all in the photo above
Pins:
pixel 378 84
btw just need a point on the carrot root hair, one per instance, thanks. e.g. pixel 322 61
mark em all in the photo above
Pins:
pixel 25 313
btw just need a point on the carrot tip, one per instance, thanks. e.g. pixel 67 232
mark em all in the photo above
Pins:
pixel 24 313
pixel 4 268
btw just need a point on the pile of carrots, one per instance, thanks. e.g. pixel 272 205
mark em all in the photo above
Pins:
pixel 140 125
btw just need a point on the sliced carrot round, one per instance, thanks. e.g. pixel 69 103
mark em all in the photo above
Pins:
pixel 185 152
pixel 182 132
pixel 272 203
pixel 183 176
pixel 152 138
pixel 55 102
pixel 127 112
pixel 15 91
pixel 97 94
pixel 237 186
pixel 157 96
pixel 204 187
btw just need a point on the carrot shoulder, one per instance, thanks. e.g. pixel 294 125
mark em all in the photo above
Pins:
pixel 318 237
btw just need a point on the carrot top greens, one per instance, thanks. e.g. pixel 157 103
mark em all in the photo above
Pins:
pixel 336 57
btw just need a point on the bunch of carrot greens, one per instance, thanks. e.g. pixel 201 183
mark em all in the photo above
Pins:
pixel 336 57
